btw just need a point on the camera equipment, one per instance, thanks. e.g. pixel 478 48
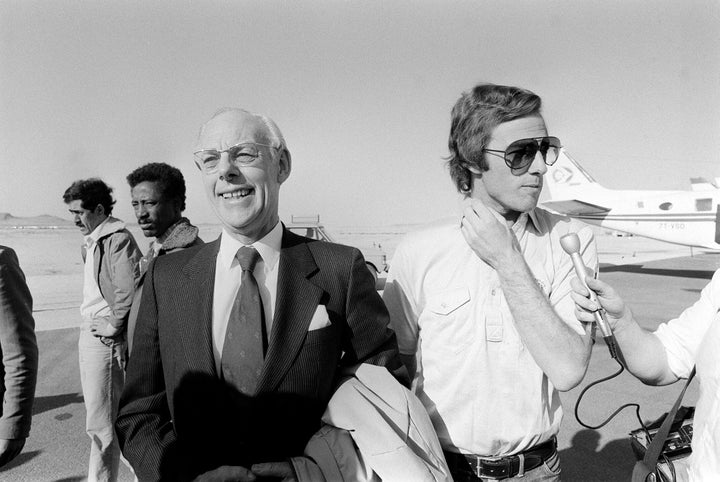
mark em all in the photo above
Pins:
pixel 677 445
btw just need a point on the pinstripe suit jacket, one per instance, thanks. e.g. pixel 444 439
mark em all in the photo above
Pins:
pixel 177 419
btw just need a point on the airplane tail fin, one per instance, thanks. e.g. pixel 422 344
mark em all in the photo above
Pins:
pixel 701 184
pixel 566 178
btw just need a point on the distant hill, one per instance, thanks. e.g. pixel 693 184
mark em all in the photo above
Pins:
pixel 7 220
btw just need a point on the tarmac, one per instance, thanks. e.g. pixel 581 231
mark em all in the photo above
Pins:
pixel 656 291
pixel 657 284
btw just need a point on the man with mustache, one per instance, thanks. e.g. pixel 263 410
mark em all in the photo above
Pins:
pixel 111 257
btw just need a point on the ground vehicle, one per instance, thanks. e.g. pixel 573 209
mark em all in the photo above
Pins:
pixel 310 226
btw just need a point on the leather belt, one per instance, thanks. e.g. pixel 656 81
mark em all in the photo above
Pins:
pixel 498 468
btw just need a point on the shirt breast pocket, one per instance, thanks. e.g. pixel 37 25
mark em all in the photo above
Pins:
pixel 446 324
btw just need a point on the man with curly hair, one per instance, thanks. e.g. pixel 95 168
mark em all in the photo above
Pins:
pixel 111 257
pixel 158 199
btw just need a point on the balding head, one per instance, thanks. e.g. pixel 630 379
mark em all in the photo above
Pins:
pixel 244 161
pixel 241 116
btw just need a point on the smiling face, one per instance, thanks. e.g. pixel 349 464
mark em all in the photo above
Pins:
pixel 507 192
pixel 244 197
pixel 86 219
pixel 154 213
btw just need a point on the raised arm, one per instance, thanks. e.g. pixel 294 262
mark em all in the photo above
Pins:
pixel 561 352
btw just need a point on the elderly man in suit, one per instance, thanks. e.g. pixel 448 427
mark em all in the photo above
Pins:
pixel 19 357
pixel 240 342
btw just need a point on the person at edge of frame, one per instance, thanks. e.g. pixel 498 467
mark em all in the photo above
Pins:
pixel 669 354
pixel 18 357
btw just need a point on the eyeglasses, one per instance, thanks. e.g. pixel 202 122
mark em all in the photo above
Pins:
pixel 243 154
pixel 521 153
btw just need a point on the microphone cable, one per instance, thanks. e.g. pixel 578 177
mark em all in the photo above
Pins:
pixel 612 415
pixel 648 437
pixel 571 245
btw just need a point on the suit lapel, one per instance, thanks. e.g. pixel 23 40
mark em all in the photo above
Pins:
pixel 297 299
pixel 195 319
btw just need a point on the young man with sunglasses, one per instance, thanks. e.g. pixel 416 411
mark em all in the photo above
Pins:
pixel 481 305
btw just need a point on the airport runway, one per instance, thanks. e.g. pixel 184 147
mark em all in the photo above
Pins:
pixel 57 449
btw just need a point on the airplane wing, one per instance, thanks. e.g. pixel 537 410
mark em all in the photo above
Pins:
pixel 573 207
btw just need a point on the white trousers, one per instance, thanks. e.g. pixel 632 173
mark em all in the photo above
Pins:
pixel 102 375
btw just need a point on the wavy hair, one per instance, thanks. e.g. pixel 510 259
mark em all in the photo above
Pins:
pixel 90 192
pixel 474 117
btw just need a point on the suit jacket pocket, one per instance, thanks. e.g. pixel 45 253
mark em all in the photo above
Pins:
pixel 320 319
pixel 319 336
pixel 313 371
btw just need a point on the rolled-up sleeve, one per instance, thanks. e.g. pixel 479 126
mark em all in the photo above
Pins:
pixel 682 336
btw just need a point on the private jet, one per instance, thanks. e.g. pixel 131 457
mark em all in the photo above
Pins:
pixel 689 218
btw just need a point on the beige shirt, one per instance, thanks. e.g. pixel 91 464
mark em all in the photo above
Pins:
pixel 482 388
pixel 227 282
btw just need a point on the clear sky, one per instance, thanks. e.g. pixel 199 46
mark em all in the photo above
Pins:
pixel 362 91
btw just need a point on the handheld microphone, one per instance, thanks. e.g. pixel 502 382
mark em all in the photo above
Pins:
pixel 571 244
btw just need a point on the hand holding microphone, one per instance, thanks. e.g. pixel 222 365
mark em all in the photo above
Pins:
pixel 571 244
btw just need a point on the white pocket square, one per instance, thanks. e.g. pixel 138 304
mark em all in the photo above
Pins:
pixel 320 319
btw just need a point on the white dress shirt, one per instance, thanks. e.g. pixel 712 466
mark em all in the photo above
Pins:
pixel 691 339
pixel 480 384
pixel 227 282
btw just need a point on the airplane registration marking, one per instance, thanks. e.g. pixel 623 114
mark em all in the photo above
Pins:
pixel 672 226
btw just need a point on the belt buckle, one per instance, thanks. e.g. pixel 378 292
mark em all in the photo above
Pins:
pixel 500 471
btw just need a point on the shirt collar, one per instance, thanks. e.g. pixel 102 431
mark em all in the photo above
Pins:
pixel 533 220
pixel 95 235
pixel 524 222
pixel 268 247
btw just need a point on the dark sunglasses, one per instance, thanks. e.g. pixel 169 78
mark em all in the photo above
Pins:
pixel 521 153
